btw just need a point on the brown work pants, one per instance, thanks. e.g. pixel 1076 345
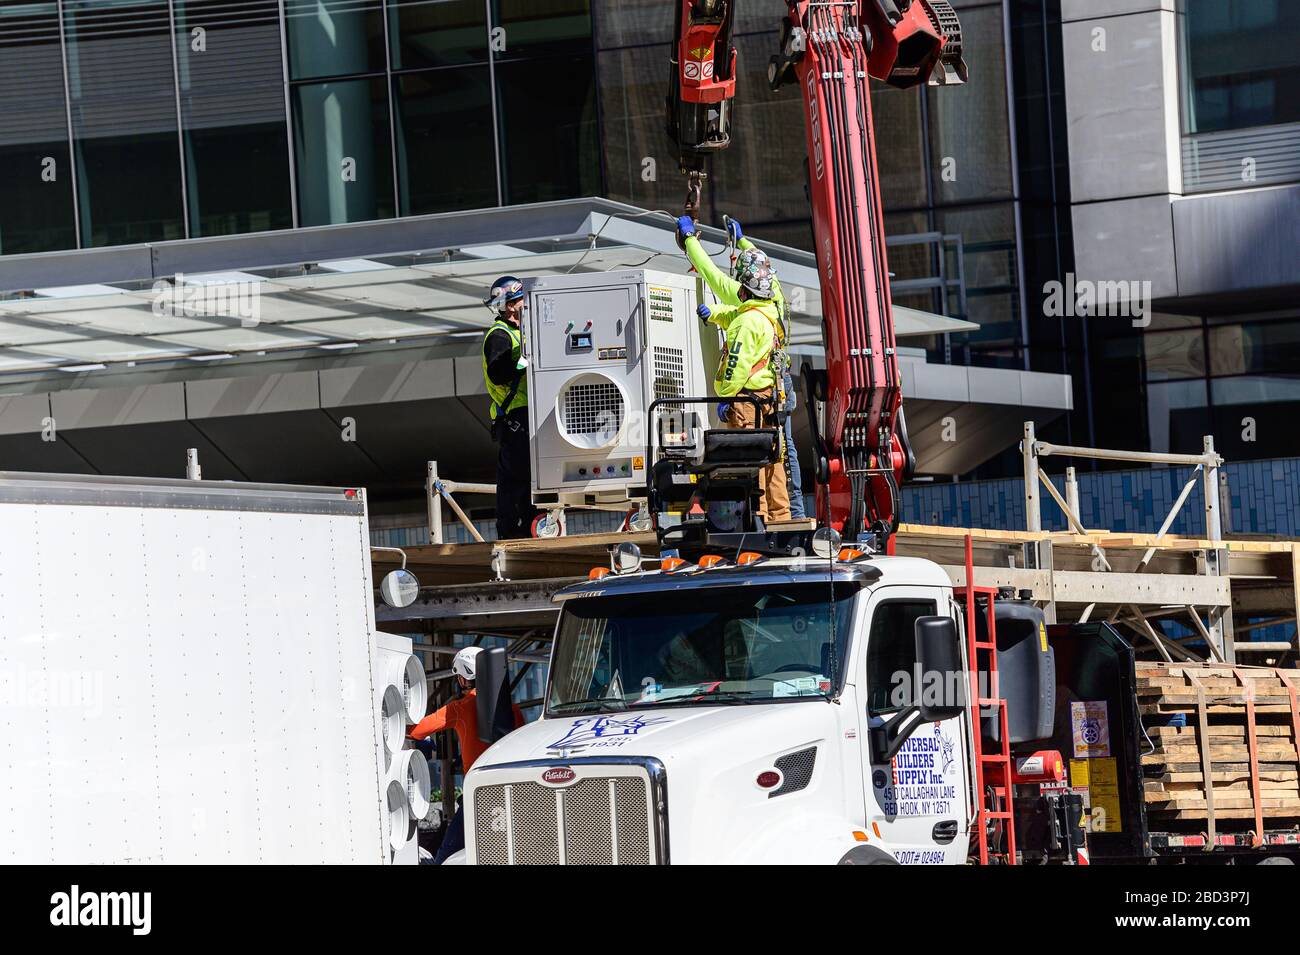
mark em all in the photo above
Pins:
pixel 774 505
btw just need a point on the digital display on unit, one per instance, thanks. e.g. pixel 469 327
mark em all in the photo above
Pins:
pixel 580 340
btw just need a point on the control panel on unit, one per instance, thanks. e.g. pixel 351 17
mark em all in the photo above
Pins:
pixel 619 469
pixel 585 329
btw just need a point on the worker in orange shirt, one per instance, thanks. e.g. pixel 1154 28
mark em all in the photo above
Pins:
pixel 461 715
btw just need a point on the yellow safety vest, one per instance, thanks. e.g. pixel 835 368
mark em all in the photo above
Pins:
pixel 499 393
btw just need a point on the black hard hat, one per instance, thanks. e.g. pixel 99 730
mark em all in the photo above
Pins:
pixel 505 289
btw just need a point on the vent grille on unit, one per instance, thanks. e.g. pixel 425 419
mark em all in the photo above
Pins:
pixel 594 408
pixel 796 771
pixel 670 372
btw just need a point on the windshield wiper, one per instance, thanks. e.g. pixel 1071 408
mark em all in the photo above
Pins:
pixel 605 704
pixel 704 699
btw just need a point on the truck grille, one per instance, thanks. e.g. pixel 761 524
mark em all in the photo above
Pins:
pixel 595 821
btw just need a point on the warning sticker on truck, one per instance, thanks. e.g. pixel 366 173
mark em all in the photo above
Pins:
pixel 1098 781
pixel 1091 728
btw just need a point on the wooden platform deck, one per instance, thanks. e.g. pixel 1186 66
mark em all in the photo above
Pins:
pixel 1126 578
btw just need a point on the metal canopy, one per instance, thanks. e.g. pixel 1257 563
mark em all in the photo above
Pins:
pixel 338 287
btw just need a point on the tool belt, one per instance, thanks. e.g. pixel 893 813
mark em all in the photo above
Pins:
pixel 499 420
pixel 767 401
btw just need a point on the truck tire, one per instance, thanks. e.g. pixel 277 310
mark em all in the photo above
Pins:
pixel 867 855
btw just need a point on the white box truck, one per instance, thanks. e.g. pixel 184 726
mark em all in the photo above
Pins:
pixel 189 672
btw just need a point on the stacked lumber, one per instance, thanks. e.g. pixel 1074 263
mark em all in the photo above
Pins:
pixel 1238 725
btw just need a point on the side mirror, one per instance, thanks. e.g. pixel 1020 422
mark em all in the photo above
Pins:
pixel 938 687
pixel 826 541
pixel 941 683
pixel 399 588
pixel 627 558
pixel 492 695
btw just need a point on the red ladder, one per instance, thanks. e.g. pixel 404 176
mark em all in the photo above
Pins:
pixel 992 801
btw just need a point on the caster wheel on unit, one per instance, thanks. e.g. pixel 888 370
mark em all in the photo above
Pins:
pixel 547 525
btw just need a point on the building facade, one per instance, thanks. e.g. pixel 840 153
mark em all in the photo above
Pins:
pixel 1184 169
pixel 1150 143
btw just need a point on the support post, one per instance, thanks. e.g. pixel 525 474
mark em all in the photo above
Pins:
pixel 1220 622
pixel 1047 561
pixel 433 503
pixel 1072 493
pixel 192 470
pixel 1029 451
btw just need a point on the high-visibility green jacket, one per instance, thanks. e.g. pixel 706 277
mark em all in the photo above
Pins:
pixel 746 360
pixel 498 391
pixel 725 287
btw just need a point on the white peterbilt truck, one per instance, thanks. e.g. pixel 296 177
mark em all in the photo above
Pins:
pixel 825 710
pixel 747 712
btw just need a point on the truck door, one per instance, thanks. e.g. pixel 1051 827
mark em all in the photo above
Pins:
pixel 917 802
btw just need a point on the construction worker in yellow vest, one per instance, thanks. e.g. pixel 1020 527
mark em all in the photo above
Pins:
pixel 751 335
pixel 750 360
pixel 505 372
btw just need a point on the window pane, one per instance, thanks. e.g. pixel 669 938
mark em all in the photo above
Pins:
pixel 36 185
pixel 797 234
pixel 232 115
pixel 549 143
pixel 891 654
pixel 345 171
pixel 761 176
pixel 445 154
pixel 1175 355
pixel 544 27
pixel 988 235
pixel 621 23
pixel 1255 389
pixel 428 33
pixel 896 117
pixel 124 121
pixel 1255 347
pixel 334 37
pixel 970 143
pixel 1167 418
pixel 1243 63
pixel 639 159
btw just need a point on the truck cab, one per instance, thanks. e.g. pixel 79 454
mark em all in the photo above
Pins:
pixel 756 711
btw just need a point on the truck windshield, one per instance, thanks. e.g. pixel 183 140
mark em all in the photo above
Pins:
pixel 714 645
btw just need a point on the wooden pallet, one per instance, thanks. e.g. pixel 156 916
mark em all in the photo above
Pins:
pixel 1243 727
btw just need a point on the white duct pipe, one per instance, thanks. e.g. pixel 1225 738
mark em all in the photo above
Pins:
pixel 413 773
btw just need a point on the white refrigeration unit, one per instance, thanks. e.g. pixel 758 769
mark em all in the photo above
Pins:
pixel 601 348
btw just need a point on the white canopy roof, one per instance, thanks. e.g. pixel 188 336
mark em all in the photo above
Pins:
pixel 338 287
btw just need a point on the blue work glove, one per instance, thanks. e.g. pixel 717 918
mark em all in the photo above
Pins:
pixel 733 231
pixel 724 410
pixel 704 312
pixel 685 226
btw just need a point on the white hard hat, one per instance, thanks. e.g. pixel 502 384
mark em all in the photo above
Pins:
pixel 465 663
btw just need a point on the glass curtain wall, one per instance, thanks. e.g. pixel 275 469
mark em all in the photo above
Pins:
pixel 122 100
pixel 148 120
pixel 944 156
pixel 230 79
pixel 340 108
pixel 36 199
pixel 1242 64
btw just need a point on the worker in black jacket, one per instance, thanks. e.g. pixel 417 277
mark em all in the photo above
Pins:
pixel 505 373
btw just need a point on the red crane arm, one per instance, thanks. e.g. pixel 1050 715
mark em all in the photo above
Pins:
pixel 830 49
